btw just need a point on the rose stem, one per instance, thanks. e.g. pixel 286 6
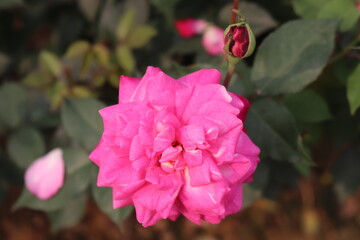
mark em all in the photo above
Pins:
pixel 231 66
pixel 233 15
pixel 229 73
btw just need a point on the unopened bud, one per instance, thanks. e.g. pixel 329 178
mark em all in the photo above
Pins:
pixel 239 40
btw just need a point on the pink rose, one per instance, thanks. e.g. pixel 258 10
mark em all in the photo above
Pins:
pixel 45 176
pixel 213 41
pixel 174 147
pixel 189 27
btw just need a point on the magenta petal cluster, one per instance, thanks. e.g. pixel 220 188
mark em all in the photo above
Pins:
pixel 174 147
pixel 45 176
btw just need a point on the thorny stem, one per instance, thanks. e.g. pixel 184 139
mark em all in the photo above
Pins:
pixel 231 66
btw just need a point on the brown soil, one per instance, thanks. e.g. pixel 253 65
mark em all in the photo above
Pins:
pixel 290 217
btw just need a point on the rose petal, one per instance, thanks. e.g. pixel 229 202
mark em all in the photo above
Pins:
pixel 45 176
pixel 233 199
pixel 164 139
pixel 128 86
pixel 208 197
pixel 203 76
pixel 205 173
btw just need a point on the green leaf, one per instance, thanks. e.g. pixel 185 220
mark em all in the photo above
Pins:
pixel 103 198
pixel 288 59
pixel 75 160
pixel 81 91
pixel 99 81
pixel 114 80
pixel 341 70
pixel 344 10
pixel 82 121
pixel 12 105
pixel 307 106
pixel 43 118
pixel 166 7
pixel 125 58
pixel 101 54
pixel 346 173
pixel 258 17
pixel 25 145
pixel 271 126
pixel 37 80
pixel 69 215
pixel 50 62
pixel 141 36
pixel 308 8
pixel 303 167
pixel 353 90
pixel 56 93
pixel 77 181
pixel 77 49
pixel 88 60
pixel 241 83
pixel 125 24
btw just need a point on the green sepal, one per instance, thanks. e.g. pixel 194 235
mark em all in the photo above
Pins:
pixel 252 41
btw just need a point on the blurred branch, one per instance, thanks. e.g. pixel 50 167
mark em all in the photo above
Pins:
pixel 349 47
pixel 69 77
pixel 229 74
pixel 233 15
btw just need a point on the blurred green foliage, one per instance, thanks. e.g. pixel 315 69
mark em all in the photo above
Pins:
pixel 60 62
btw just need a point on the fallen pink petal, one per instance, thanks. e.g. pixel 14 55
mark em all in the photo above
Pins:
pixel 173 147
pixel 45 176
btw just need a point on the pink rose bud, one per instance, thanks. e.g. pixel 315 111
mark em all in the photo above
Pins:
pixel 212 40
pixel 45 176
pixel 239 40
pixel 189 27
